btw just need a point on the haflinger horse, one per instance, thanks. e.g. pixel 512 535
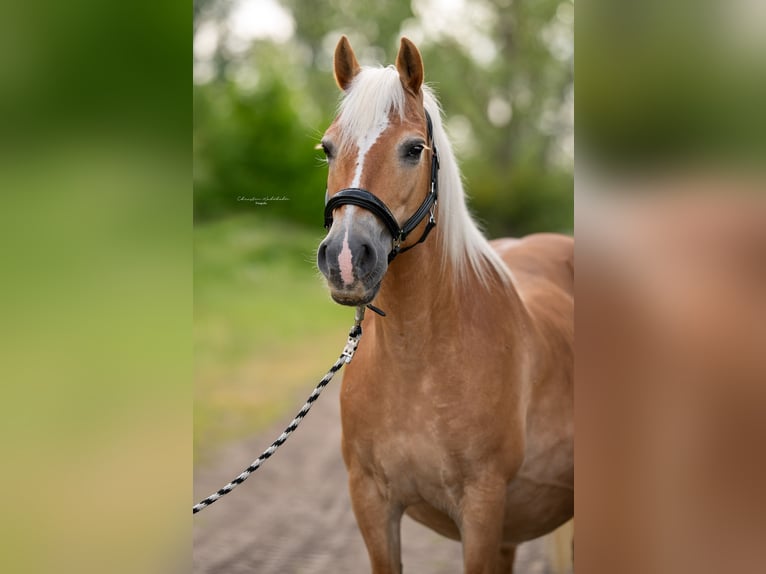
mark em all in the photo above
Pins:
pixel 458 406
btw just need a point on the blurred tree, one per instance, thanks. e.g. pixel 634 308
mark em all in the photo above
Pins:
pixel 250 145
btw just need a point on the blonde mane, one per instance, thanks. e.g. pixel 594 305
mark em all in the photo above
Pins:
pixel 375 94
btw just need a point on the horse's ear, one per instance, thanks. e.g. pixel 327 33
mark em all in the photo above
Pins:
pixel 346 65
pixel 410 66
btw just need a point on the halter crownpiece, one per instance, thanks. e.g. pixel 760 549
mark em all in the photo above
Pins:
pixel 366 200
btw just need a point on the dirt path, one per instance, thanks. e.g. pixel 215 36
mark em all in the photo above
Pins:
pixel 293 516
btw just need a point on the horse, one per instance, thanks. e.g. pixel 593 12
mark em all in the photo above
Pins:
pixel 458 406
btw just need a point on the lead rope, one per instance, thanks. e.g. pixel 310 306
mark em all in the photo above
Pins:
pixel 345 357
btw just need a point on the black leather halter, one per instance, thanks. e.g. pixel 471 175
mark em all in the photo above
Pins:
pixel 366 200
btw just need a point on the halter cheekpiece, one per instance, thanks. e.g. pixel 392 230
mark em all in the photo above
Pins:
pixel 366 200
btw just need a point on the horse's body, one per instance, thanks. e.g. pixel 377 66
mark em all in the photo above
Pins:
pixel 458 406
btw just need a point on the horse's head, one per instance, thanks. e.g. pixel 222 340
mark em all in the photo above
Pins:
pixel 381 164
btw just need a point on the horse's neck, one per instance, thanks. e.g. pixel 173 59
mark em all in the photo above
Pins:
pixel 422 298
pixel 408 288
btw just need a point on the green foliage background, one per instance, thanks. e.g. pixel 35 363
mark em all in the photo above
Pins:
pixel 259 111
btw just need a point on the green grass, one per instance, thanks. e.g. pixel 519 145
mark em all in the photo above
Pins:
pixel 265 328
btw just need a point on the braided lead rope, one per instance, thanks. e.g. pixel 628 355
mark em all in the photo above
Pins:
pixel 345 357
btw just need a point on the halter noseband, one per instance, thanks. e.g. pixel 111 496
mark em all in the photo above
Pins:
pixel 366 200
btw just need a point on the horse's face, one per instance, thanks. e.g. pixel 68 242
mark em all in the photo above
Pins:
pixel 390 162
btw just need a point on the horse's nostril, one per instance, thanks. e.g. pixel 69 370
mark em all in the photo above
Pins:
pixel 322 257
pixel 367 258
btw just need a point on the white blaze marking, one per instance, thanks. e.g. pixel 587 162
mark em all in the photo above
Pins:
pixel 364 144
pixel 344 261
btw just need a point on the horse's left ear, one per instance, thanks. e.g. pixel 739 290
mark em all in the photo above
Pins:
pixel 410 66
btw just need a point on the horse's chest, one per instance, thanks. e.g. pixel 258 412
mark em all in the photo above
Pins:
pixel 408 454
pixel 413 467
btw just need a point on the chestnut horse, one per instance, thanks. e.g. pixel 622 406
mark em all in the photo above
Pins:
pixel 458 406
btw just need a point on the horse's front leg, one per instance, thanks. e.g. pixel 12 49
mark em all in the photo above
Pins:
pixel 481 528
pixel 379 520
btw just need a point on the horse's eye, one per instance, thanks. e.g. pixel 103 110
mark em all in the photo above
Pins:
pixel 414 151
pixel 327 149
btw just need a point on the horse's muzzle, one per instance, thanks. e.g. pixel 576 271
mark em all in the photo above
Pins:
pixel 353 264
